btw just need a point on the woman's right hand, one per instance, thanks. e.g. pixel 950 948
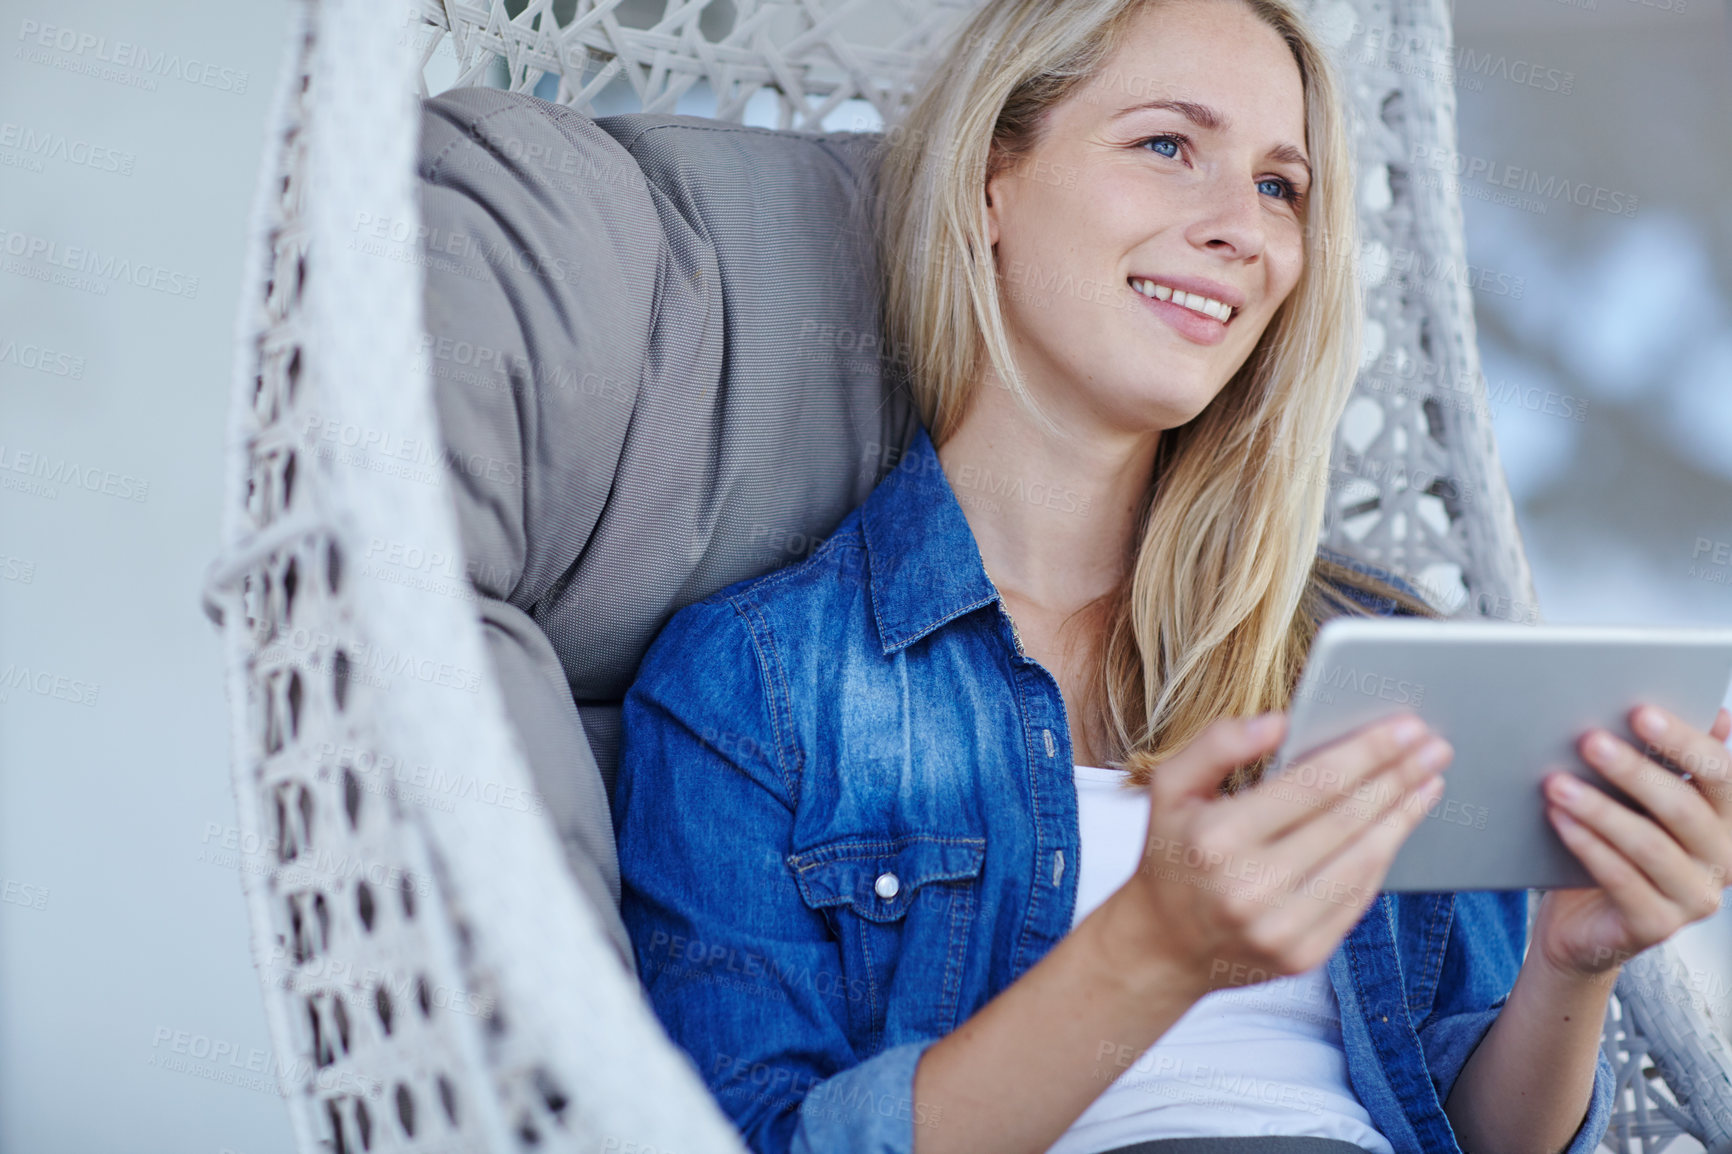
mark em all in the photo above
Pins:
pixel 1270 879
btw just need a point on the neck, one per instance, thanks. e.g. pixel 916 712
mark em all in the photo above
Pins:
pixel 1053 515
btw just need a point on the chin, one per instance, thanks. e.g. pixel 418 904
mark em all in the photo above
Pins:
pixel 1172 406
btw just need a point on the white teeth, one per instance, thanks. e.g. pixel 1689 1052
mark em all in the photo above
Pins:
pixel 1208 306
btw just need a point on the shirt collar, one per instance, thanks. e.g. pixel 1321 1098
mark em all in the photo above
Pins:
pixel 923 563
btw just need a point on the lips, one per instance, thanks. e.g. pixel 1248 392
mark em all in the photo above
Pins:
pixel 1199 323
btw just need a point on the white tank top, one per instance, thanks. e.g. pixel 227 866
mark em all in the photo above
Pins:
pixel 1246 1060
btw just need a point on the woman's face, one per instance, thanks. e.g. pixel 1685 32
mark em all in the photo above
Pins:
pixel 1175 168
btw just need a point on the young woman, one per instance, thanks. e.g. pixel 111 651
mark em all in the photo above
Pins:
pixel 881 812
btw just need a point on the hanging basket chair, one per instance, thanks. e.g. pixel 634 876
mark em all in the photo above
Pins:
pixel 422 801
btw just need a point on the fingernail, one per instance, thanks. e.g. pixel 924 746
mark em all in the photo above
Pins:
pixel 1408 730
pixel 1652 721
pixel 1567 787
pixel 1434 753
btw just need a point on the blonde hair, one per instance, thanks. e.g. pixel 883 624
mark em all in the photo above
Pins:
pixel 1226 589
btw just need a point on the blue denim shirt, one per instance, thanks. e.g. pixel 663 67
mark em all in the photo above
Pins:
pixel 795 741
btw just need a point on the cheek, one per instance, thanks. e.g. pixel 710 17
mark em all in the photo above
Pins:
pixel 1286 263
pixel 1040 224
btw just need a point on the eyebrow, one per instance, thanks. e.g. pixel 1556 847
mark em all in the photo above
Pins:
pixel 1207 118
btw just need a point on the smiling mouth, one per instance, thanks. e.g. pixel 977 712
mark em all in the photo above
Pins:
pixel 1208 306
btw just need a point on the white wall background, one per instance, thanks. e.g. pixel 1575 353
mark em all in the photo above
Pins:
pixel 104 806
pixel 130 1017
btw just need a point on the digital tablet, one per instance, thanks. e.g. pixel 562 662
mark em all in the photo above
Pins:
pixel 1513 700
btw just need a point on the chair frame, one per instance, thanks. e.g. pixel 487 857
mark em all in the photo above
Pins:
pixel 417 992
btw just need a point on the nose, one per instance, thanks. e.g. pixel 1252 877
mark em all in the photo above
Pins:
pixel 1229 221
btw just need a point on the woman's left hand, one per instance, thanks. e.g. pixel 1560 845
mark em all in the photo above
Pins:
pixel 1654 875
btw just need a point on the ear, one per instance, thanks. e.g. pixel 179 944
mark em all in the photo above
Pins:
pixel 996 168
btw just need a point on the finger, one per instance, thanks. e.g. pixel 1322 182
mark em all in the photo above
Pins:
pixel 1722 727
pixel 1331 898
pixel 1223 746
pixel 1705 758
pixel 1678 806
pixel 1311 843
pixel 1309 784
pixel 1645 912
pixel 1678 880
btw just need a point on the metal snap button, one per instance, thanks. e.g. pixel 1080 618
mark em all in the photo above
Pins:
pixel 887 886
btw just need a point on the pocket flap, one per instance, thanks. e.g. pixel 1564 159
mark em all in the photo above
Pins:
pixel 848 871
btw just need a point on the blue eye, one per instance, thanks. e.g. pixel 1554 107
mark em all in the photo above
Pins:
pixel 1283 188
pixel 1175 142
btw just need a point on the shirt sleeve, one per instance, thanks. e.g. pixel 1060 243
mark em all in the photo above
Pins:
pixel 744 976
pixel 1487 939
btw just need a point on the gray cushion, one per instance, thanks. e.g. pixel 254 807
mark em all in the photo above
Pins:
pixel 653 342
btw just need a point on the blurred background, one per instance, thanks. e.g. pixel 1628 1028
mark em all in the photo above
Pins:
pixel 1596 216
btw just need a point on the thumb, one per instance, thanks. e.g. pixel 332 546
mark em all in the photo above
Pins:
pixel 1224 745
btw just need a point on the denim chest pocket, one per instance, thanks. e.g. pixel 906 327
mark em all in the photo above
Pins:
pixel 901 909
